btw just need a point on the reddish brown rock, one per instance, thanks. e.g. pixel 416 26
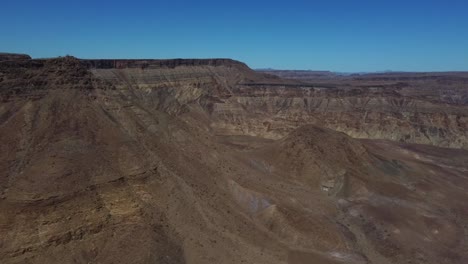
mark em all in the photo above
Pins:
pixel 185 163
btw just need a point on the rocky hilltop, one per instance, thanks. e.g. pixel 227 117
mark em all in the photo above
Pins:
pixel 13 56
pixel 208 161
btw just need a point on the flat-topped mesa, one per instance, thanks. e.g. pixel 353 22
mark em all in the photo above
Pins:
pixel 164 72
pixel 159 73
pixel 13 56
pixel 156 64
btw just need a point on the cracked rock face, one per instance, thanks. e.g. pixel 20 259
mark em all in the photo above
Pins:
pixel 208 161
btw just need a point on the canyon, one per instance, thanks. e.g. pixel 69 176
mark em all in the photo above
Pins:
pixel 209 161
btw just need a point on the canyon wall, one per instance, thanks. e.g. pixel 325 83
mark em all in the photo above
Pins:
pixel 240 101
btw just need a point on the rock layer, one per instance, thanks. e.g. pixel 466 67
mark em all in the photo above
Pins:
pixel 243 102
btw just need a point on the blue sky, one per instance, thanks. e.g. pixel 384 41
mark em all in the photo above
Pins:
pixel 347 36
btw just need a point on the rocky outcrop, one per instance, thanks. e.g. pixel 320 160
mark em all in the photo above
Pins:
pixel 13 56
pixel 34 77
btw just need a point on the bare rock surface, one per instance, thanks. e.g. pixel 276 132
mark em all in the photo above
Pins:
pixel 413 108
pixel 192 161
pixel 13 56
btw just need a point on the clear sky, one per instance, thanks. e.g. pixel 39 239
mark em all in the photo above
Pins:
pixel 347 35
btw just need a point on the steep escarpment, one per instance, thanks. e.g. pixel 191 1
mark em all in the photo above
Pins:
pixel 360 112
pixel 239 101
pixel 155 64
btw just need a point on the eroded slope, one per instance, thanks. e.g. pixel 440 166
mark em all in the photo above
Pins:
pixel 128 166
pixel 243 102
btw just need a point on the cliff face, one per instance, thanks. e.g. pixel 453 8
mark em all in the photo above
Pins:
pixel 242 102
pixel 174 85
pixel 360 112
pixel 100 164
pixel 157 64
